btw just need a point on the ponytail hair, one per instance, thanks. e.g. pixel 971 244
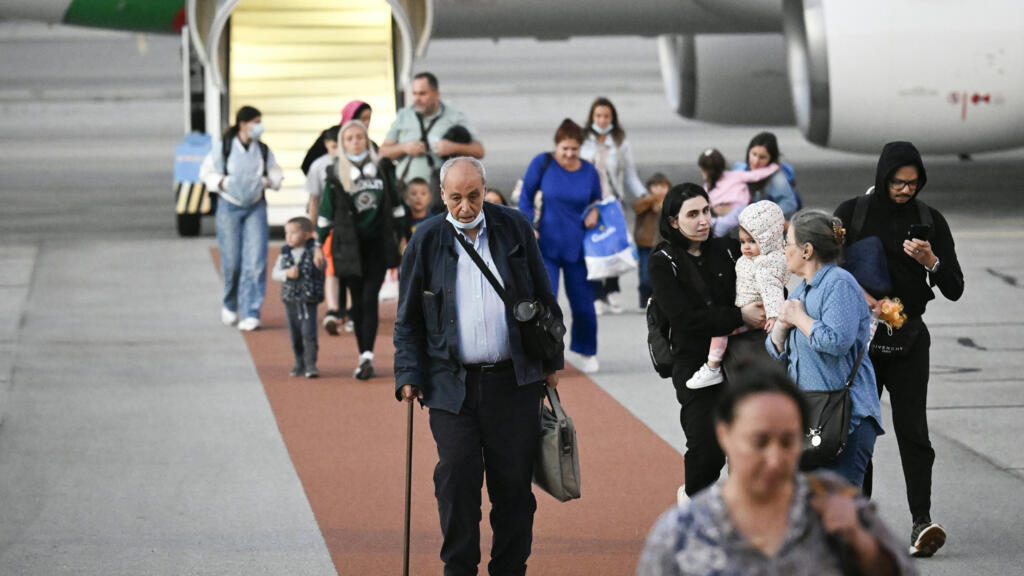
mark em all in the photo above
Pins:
pixel 712 162
pixel 244 114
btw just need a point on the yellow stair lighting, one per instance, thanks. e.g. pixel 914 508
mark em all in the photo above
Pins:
pixel 299 62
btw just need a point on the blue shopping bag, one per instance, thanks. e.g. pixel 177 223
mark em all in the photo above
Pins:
pixel 607 248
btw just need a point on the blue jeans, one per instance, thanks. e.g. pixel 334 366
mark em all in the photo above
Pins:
pixel 242 240
pixel 643 254
pixel 860 445
pixel 581 301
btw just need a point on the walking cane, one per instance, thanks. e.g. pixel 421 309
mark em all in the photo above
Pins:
pixel 408 489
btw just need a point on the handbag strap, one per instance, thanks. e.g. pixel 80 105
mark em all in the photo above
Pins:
pixel 556 404
pixel 856 365
pixel 482 266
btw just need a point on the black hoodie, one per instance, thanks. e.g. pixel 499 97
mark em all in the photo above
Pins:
pixel 890 222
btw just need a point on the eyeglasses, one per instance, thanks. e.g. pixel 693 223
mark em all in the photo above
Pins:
pixel 897 185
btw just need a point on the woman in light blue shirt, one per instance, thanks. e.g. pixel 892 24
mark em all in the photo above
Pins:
pixel 822 329
pixel 239 169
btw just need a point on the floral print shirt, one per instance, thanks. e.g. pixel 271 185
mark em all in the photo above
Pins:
pixel 700 539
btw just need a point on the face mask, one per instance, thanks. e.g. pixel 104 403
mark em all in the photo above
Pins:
pixel 357 158
pixel 466 225
pixel 601 131
pixel 256 130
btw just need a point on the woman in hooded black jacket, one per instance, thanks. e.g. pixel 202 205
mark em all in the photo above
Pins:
pixel 693 277
pixel 901 360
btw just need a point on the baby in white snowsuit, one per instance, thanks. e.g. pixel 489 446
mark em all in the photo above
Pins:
pixel 761 276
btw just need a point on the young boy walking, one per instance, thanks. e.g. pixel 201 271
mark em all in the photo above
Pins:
pixel 302 292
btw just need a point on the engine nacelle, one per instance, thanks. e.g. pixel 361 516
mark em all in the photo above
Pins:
pixel 727 79
pixel 947 76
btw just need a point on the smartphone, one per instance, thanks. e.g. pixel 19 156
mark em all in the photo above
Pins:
pixel 919 231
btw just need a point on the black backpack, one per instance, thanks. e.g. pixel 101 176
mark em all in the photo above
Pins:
pixel 659 331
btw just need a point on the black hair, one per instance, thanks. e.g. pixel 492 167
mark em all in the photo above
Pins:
pixel 331 134
pixel 417 180
pixel 673 202
pixel 770 143
pixel 503 202
pixel 244 114
pixel 304 223
pixel 713 163
pixel 618 134
pixel 430 78
pixel 750 376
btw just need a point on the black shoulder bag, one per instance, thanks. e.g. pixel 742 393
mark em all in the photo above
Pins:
pixel 541 331
pixel 828 422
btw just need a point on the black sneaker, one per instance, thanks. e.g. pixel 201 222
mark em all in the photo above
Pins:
pixel 926 538
pixel 365 370
pixel 296 370
pixel 312 373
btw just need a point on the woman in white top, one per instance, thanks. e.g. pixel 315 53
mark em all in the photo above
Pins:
pixel 239 169
pixel 608 150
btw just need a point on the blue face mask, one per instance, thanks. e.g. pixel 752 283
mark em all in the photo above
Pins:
pixel 357 158
pixel 466 225
pixel 601 131
pixel 256 130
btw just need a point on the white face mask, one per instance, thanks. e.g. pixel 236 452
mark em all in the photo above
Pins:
pixel 256 130
pixel 599 130
pixel 466 225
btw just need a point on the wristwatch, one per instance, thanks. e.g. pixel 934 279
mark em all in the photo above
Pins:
pixel 934 268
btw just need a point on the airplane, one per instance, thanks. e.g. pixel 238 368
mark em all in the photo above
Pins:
pixel 851 75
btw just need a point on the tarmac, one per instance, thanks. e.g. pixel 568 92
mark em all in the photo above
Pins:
pixel 135 434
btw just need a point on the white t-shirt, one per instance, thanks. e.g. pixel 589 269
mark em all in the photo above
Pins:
pixel 316 179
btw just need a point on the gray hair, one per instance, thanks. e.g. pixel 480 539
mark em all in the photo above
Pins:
pixel 821 230
pixel 476 164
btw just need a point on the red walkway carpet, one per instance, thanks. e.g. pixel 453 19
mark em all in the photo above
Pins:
pixel 346 439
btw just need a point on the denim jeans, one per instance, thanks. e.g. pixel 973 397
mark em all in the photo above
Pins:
pixel 302 327
pixel 860 445
pixel 242 240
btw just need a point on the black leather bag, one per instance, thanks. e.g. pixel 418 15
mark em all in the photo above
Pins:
pixel 828 423
pixel 540 330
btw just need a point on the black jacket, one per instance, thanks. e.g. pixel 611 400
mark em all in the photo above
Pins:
pixel 693 318
pixel 426 328
pixel 890 221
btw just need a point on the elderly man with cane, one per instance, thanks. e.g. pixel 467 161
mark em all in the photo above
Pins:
pixel 458 349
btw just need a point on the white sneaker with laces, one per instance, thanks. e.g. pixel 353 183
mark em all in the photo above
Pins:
pixel 249 324
pixel 706 376
pixel 588 364
pixel 613 303
pixel 228 317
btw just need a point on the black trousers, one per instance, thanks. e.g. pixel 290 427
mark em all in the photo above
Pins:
pixel 496 432
pixel 906 378
pixel 602 288
pixel 365 291
pixel 703 458
pixel 302 328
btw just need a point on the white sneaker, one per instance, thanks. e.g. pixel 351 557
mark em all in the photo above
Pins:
pixel 249 324
pixel 706 376
pixel 228 317
pixel 588 364
pixel 681 496
pixel 600 307
pixel 350 326
pixel 613 303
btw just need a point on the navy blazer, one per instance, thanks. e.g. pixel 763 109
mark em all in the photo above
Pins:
pixel 426 331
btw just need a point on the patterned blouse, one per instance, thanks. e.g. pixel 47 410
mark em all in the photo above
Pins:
pixel 699 539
